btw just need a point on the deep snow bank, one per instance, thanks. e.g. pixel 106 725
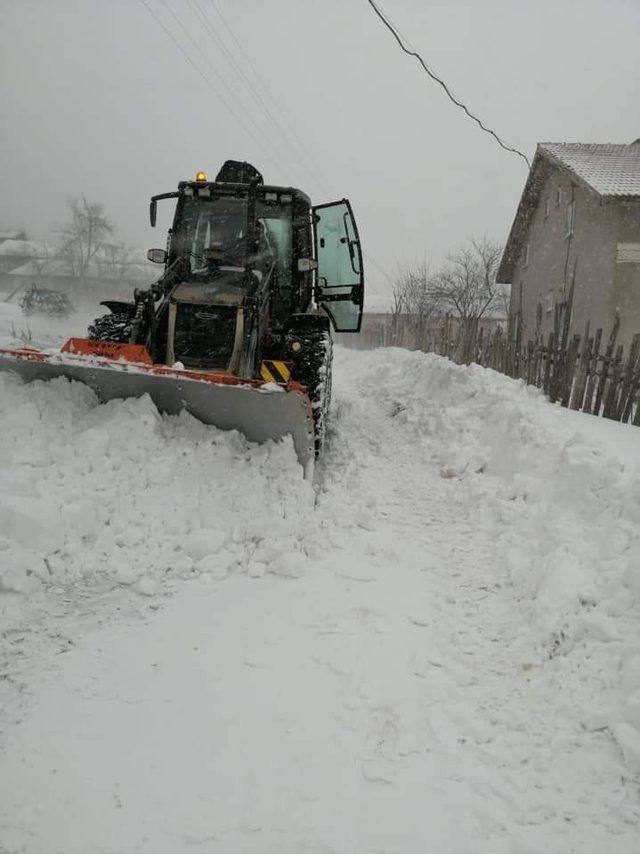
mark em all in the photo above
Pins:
pixel 560 492
pixel 96 496
pixel 118 493
pixel 92 496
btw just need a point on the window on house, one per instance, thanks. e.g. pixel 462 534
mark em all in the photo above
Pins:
pixel 570 219
pixel 547 207
pixel 526 254
pixel 558 197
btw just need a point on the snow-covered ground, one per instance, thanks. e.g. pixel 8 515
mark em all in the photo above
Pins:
pixel 41 330
pixel 433 647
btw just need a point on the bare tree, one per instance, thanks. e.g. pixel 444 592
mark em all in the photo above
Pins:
pixel 415 299
pixel 397 312
pixel 115 260
pixel 83 235
pixel 40 259
pixel 466 285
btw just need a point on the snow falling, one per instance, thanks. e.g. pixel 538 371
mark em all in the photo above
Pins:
pixel 433 646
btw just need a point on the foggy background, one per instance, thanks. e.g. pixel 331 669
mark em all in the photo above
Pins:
pixel 96 98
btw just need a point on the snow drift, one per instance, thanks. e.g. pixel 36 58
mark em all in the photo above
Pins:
pixel 559 492
pixel 117 493
pixel 429 649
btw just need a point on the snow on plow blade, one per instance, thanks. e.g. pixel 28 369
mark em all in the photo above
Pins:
pixel 258 410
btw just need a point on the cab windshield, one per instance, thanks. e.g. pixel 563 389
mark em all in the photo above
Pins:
pixel 212 232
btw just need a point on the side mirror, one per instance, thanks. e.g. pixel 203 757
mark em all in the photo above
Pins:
pixel 158 256
pixel 153 210
pixel 306 265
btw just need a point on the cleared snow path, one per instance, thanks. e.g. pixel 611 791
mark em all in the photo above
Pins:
pixel 437 650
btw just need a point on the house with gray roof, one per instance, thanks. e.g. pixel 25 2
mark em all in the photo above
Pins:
pixel 578 218
pixel 112 271
pixel 10 234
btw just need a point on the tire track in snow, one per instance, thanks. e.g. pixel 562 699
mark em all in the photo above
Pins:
pixel 393 698
pixel 498 702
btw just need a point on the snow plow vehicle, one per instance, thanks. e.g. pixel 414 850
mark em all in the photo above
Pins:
pixel 238 329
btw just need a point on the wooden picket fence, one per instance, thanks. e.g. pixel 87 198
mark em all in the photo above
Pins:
pixel 580 372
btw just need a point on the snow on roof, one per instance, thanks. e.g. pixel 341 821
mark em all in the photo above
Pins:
pixel 53 267
pixel 9 235
pixel 24 247
pixel 95 270
pixel 610 170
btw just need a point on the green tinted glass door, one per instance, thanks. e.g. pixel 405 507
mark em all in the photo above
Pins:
pixel 340 283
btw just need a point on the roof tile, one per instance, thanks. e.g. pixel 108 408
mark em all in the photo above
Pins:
pixel 611 170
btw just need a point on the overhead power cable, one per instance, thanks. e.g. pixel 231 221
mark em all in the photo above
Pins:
pixel 221 49
pixel 385 20
pixel 287 129
pixel 188 57
pixel 232 93
pixel 377 266
pixel 209 83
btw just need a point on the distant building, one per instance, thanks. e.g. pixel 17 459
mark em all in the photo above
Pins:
pixel 580 210
pixel 111 272
pixel 10 234
pixel 14 252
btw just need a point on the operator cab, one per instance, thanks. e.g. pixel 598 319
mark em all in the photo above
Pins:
pixel 257 255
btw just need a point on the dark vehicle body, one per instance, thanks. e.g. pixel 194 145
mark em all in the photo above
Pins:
pixel 46 301
pixel 255 279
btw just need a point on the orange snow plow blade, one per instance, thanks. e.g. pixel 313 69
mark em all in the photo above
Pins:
pixel 257 409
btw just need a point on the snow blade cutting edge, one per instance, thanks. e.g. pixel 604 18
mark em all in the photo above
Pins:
pixel 257 409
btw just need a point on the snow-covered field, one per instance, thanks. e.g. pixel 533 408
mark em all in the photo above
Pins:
pixel 433 647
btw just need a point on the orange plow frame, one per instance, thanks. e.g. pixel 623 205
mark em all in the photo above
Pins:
pixel 259 410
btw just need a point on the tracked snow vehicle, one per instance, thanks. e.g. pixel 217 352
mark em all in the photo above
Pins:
pixel 238 328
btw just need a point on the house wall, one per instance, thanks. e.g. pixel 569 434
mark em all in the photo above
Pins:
pixel 546 278
pixel 625 296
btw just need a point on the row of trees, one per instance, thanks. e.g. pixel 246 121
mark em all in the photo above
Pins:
pixel 464 287
pixel 85 243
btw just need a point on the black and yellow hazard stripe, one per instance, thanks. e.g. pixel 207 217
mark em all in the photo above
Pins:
pixel 273 371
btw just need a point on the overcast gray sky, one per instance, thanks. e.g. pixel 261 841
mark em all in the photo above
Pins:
pixel 95 98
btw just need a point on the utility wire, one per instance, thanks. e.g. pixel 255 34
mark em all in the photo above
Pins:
pixel 224 101
pixel 288 129
pixel 433 76
pixel 319 178
pixel 377 266
pixel 234 95
pixel 208 81
pixel 241 76
pixel 211 32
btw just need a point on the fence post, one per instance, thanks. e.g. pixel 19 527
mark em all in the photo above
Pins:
pixel 611 397
pixel 592 373
pixel 605 365
pixel 580 384
pixel 569 370
pixel 632 380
